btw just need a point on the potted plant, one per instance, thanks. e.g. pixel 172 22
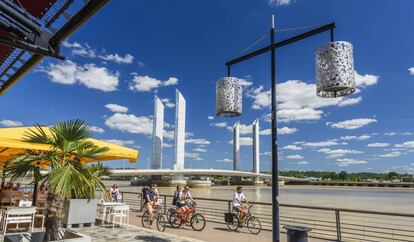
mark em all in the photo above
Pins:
pixel 69 178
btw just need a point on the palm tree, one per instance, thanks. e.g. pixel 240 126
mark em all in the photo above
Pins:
pixel 68 176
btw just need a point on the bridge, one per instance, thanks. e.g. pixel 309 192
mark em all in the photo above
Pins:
pixel 205 172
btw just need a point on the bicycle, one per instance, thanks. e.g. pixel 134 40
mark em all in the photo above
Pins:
pixel 156 215
pixel 196 221
pixel 253 223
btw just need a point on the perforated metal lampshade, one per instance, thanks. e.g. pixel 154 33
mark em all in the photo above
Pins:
pixel 228 97
pixel 335 74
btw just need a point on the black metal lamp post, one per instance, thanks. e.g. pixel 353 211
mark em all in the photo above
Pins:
pixel 334 76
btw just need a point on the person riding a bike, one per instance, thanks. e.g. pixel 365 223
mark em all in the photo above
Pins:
pixel 150 197
pixel 238 199
pixel 176 195
pixel 184 201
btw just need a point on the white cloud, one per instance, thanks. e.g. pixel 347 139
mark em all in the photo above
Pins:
pixel 120 142
pixel 378 145
pixel 169 134
pixel 361 137
pixel 171 81
pixel 297 100
pixel 193 155
pixel 280 2
pixel 127 59
pixel 350 101
pixel 97 77
pixel 96 129
pixel 292 147
pixel 244 141
pixel 11 123
pixel 80 49
pixel 245 82
pixel 265 132
pixel 294 157
pixel 90 75
pixel 167 145
pixel 302 162
pixel 286 130
pixel 116 108
pixel 397 133
pixel 199 150
pixel 144 83
pixel 289 115
pixel 225 160
pixel 321 143
pixel 411 70
pixel 407 144
pixel 210 117
pixel 347 162
pixel 85 50
pixel 280 131
pixel 338 152
pixel 147 84
pixel 219 124
pixel 352 123
pixel 197 141
pixel 365 80
pixel 130 123
pixel 62 72
pixel 391 154
pixel 168 103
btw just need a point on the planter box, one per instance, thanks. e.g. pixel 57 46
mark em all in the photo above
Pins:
pixel 79 211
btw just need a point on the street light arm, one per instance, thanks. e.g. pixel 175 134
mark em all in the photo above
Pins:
pixel 282 43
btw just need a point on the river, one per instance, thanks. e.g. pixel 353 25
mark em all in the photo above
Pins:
pixel 365 198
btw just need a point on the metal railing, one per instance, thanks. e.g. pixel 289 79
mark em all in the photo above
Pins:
pixel 325 222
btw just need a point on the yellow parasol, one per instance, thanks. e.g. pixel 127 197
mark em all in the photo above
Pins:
pixel 12 143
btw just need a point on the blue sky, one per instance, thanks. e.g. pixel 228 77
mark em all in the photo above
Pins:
pixel 132 50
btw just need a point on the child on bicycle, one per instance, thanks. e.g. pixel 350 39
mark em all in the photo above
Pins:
pixel 184 201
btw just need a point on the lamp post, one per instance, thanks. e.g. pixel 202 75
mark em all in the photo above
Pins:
pixel 335 77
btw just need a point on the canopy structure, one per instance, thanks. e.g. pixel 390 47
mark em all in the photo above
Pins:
pixel 12 143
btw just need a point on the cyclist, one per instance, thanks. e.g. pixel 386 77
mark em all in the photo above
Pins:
pixel 176 194
pixel 148 197
pixel 238 199
pixel 184 201
pixel 153 192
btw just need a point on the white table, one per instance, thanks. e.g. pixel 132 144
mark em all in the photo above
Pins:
pixel 106 206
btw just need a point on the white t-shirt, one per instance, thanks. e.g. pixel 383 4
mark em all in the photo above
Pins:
pixel 237 198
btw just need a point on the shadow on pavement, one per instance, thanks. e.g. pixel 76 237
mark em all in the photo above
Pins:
pixel 149 238
pixel 227 230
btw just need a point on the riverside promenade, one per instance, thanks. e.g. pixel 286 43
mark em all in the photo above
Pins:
pixel 214 232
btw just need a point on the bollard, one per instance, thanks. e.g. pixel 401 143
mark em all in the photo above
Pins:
pixel 297 233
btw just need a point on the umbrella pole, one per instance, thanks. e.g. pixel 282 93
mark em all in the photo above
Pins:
pixel 36 184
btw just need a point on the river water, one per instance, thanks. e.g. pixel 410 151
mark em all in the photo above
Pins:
pixel 365 198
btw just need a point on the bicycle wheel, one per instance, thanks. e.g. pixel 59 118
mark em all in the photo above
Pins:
pixel 198 222
pixel 175 220
pixel 233 226
pixel 161 223
pixel 254 225
pixel 169 212
pixel 145 221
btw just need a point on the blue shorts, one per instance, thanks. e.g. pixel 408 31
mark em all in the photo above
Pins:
pixel 180 205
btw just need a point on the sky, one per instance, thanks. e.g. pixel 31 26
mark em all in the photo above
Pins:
pixel 133 50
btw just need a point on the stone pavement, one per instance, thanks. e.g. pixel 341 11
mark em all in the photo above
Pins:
pixel 130 233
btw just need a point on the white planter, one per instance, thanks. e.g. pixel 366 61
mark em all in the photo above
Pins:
pixel 79 211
